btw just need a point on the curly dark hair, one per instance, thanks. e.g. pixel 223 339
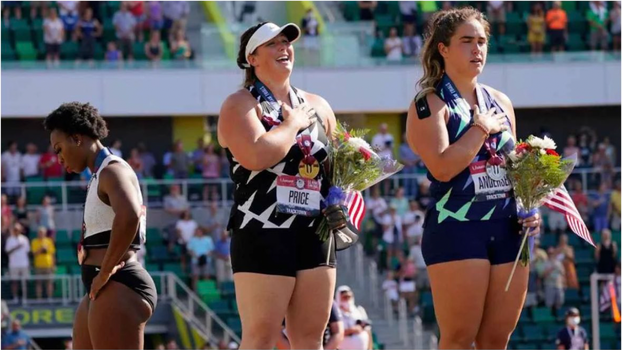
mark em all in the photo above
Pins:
pixel 77 118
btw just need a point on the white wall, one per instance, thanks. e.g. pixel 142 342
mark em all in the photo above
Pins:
pixel 32 93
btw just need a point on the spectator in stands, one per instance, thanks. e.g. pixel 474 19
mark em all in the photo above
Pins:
pixel 400 202
pixel 427 8
pixel 571 148
pixel 11 169
pixel 383 141
pixel 87 31
pixel 615 206
pixel 377 206
pixel 68 11
pixel 496 14
pixel 43 251
pixel 45 216
pixel 604 169
pixel 393 45
pixel 175 16
pixel 390 286
pixel 392 233
pixel 30 161
pixel 16 338
pixel 553 274
pixel 309 24
pixel 175 204
pixel 211 164
pixel 615 25
pixel 423 196
pixel 366 10
pixel 6 316
pixel 112 53
pixel 407 285
pixel 41 6
pixel 533 277
pixel 586 152
pixel 597 17
pixel 611 151
pixel 410 161
pixel 580 200
pixel 185 229
pixel 137 10
pixel 357 330
pixel 601 207
pixel 556 222
pixel 21 213
pixel 216 220
pixel 201 249
pixel 7 216
pixel 116 148
pixel 17 248
pixel 197 156
pixel 224 164
pixel 413 221
pixel 408 11
pixel 180 161
pixel 180 48
pixel 573 336
pixel 153 48
pixel 415 253
pixel 536 28
pixel 606 253
pixel 125 25
pixel 6 11
pixel 136 162
pixel 556 19
pixel 566 254
pixel 53 36
pixel 411 41
pixel 155 19
pixel 148 160
pixel 222 258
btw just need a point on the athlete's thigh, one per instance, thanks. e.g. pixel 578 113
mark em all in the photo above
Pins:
pixel 459 290
pixel 81 338
pixel 262 300
pixel 311 302
pixel 117 318
pixel 502 309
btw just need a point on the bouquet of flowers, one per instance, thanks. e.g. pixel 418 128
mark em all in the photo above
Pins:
pixel 354 167
pixel 535 171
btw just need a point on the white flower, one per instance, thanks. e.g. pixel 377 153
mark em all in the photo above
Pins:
pixel 513 156
pixel 542 151
pixel 542 143
pixel 358 142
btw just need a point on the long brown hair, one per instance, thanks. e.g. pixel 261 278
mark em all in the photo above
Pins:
pixel 441 28
pixel 249 71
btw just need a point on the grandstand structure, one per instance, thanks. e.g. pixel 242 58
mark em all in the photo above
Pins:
pixel 159 103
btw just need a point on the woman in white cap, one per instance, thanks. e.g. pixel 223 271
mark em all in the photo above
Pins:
pixel 357 331
pixel 276 140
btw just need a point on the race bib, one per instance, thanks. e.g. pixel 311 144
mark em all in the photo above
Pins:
pixel 490 181
pixel 298 196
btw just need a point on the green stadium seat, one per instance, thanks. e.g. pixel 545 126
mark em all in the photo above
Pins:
pixel 6 34
pixel 548 240
pixel 426 298
pixel 153 236
pixel 138 49
pixel 606 331
pixel 37 28
pixel 584 256
pixel 63 239
pixel 206 286
pixel 157 254
pixel 525 317
pixel 569 6
pixel 378 48
pixel 34 195
pixel 219 306
pixel 26 51
pixel 109 33
pixel 572 297
pixel 533 333
pixel 509 44
pixel 175 268
pixel 66 255
pixel 75 235
pixel 235 324
pixel 69 50
pixel 522 7
pixel 515 24
pixel 351 11
pixel 577 22
pixel 166 53
pixel 21 30
pixel 152 267
pixel 210 297
pixel 542 314
pixel 8 54
pixel 551 330
pixel 61 270
pixel 528 346
pixel 99 52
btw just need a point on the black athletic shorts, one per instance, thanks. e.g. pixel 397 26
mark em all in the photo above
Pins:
pixel 132 274
pixel 280 252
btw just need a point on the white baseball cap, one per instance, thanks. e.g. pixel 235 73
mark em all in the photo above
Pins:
pixel 266 33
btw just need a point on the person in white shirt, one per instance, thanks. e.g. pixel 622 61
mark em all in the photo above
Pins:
pixel 377 206
pixel 392 233
pixel 390 286
pixel 17 248
pixel 382 138
pixel 53 36
pixel 415 254
pixel 185 229
pixel 11 169
pixel 393 46
pixel 30 161
pixel 413 220
pixel 116 148
pixel 411 41
pixel 357 331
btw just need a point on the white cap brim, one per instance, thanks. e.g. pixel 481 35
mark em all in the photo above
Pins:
pixel 267 32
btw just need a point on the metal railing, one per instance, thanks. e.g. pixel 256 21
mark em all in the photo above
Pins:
pixel 595 312
pixel 70 195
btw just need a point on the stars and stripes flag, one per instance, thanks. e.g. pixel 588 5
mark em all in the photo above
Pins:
pixel 560 201
pixel 356 208
pixel 611 298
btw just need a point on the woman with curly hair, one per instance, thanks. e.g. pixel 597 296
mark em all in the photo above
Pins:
pixel 121 296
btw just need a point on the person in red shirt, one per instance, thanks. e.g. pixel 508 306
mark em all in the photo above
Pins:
pixel 50 167
pixel 580 200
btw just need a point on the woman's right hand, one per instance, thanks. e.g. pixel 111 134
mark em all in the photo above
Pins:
pixel 495 123
pixel 301 116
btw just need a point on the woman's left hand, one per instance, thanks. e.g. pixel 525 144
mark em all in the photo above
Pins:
pixel 532 224
pixel 100 281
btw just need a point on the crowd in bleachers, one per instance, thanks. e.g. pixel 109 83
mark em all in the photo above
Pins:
pixel 516 26
pixel 109 31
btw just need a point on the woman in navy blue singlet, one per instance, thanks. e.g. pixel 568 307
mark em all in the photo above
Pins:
pixel 472 233
pixel 276 139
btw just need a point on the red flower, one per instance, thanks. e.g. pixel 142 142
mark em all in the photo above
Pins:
pixel 365 153
pixel 523 147
pixel 346 136
pixel 551 152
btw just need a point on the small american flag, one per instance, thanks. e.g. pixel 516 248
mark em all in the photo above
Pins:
pixel 356 208
pixel 561 202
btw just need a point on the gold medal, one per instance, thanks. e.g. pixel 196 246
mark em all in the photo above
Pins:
pixel 309 171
